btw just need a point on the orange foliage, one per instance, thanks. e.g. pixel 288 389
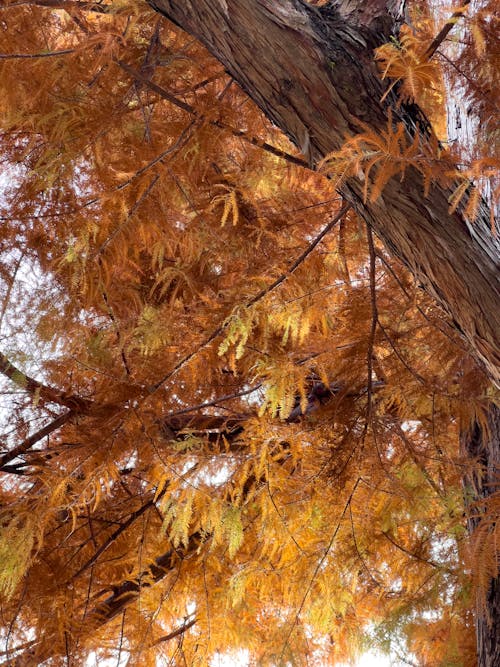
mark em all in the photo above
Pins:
pixel 243 431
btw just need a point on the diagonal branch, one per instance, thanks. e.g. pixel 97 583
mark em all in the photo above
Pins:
pixel 36 437
pixel 317 569
pixel 41 391
pixel 97 7
pixel 175 633
pixel 291 269
pixel 115 535
pixel 443 33
pixel 240 134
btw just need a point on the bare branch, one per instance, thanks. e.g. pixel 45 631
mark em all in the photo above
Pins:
pixel 49 54
pixel 175 633
pixel 115 535
pixel 41 391
pixel 97 7
pixel 302 257
pixel 410 553
pixel 241 134
pixel 36 437
pixel 443 33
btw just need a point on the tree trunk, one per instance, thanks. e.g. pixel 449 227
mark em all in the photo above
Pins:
pixel 312 73
pixel 482 443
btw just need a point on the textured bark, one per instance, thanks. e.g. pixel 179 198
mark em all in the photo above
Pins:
pixel 311 71
pixel 482 443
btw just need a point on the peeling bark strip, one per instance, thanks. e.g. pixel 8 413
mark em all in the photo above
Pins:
pixel 312 73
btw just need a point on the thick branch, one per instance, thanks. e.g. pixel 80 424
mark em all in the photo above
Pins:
pixel 213 428
pixel 36 437
pixel 445 30
pixel 40 391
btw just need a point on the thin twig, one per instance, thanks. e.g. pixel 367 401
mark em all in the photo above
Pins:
pixel 215 401
pixel 413 372
pixel 317 569
pixel 99 8
pixel 282 518
pixel 373 327
pixel 175 633
pixel 414 457
pixel 216 332
pixel 188 108
pixel 368 571
pixel 413 555
pixel 154 180
pixel 301 257
pixel 454 341
pixel 10 287
pixel 49 54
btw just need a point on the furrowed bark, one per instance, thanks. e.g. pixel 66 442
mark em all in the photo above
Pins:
pixel 312 73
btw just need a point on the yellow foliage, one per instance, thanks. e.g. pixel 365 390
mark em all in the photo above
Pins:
pixel 18 540
pixel 229 203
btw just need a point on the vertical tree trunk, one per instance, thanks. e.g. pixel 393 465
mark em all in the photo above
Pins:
pixel 482 443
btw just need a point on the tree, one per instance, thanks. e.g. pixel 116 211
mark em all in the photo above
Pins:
pixel 237 416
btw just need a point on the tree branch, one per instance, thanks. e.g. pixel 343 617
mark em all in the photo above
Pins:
pixel 49 54
pixel 175 633
pixel 114 536
pixel 36 437
pixel 40 391
pixel 216 332
pixel 443 33
pixel 311 71
pixel 97 7
pixel 240 134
